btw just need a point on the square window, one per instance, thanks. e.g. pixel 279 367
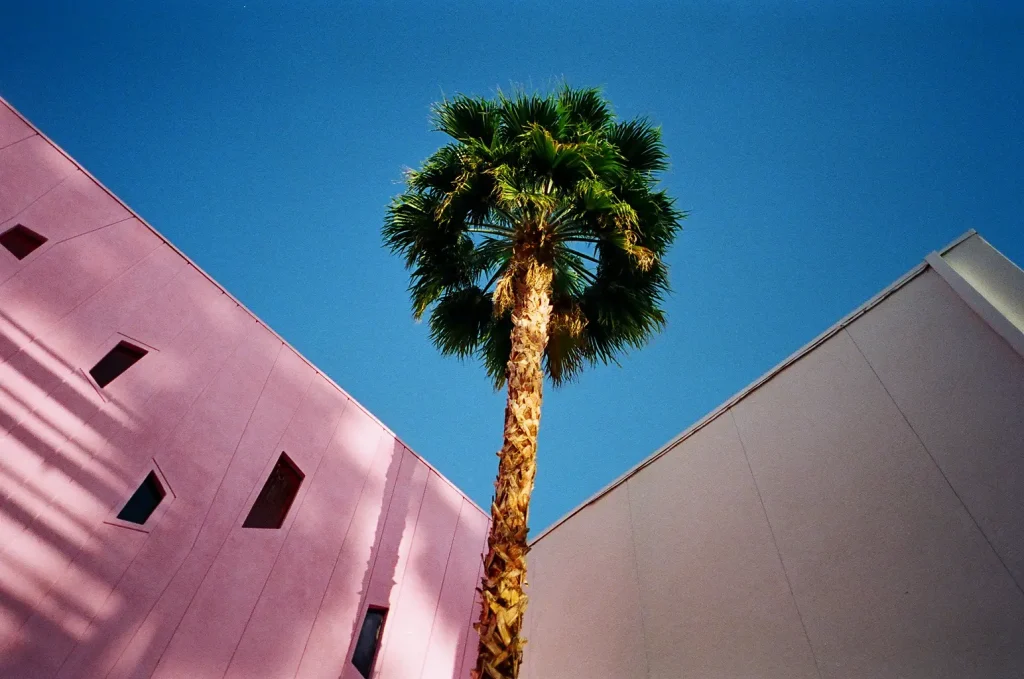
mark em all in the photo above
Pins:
pixel 369 640
pixel 274 501
pixel 144 501
pixel 21 241
pixel 117 360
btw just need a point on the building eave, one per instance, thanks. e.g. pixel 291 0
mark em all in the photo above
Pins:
pixel 756 384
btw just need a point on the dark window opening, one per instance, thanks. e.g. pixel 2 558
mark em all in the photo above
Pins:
pixel 119 359
pixel 369 640
pixel 21 240
pixel 274 501
pixel 144 502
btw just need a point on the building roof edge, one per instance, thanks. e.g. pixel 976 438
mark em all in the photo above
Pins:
pixel 210 278
pixel 753 386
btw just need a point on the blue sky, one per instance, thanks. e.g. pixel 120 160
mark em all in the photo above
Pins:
pixel 822 153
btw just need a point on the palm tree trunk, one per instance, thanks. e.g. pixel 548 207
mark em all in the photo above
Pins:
pixel 501 616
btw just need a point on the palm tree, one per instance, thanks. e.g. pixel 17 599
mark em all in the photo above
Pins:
pixel 535 240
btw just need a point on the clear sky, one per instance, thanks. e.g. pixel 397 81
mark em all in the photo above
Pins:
pixel 822 151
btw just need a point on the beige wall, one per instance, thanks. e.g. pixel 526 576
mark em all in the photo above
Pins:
pixel 859 514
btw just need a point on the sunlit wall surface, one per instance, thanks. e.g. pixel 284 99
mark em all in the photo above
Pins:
pixel 182 495
pixel 858 513
pixel 193 429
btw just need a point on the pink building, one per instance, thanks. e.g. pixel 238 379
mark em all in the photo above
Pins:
pixel 184 495
pixel 181 493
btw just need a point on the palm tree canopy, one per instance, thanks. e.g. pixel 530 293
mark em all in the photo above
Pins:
pixel 555 176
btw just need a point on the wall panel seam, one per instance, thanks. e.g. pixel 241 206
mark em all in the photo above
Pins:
pixel 94 230
pixel 775 543
pixel 751 388
pixel 375 550
pixel 284 540
pixel 70 371
pixel 202 524
pixel 931 457
pixel 440 592
pixel 473 609
pixel 92 533
pixel 18 141
pixel 341 550
pixel 178 567
pixel 71 438
pixel 161 292
pixel 156 448
pixel 400 578
pixel 636 571
pixel 41 195
pixel 375 547
pixel 104 286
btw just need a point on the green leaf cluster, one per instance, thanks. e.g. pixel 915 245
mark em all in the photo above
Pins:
pixel 561 173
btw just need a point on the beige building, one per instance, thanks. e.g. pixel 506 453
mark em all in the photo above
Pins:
pixel 857 512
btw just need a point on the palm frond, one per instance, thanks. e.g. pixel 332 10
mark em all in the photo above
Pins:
pixel 558 169
pixel 522 112
pixel 439 172
pixel 566 354
pixel 495 347
pixel 585 110
pixel 467 119
pixel 521 192
pixel 459 321
pixel 639 142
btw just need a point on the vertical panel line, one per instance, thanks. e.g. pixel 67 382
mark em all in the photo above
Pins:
pixel 477 603
pixel 199 533
pixel 440 592
pixel 636 570
pixel 341 547
pixel 131 562
pixel 287 533
pixel 400 578
pixel 937 466
pixel 378 539
pixel 775 542
pixel 213 560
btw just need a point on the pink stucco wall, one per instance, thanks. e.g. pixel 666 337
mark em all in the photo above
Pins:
pixel 211 407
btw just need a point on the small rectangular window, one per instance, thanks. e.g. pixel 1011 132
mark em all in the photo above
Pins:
pixel 117 360
pixel 274 501
pixel 21 241
pixel 144 502
pixel 369 640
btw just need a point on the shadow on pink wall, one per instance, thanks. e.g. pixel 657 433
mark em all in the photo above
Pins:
pixel 211 406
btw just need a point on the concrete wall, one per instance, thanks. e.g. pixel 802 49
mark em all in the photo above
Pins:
pixel 858 514
pixel 211 407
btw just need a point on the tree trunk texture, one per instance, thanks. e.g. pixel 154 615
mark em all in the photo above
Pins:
pixel 501 616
